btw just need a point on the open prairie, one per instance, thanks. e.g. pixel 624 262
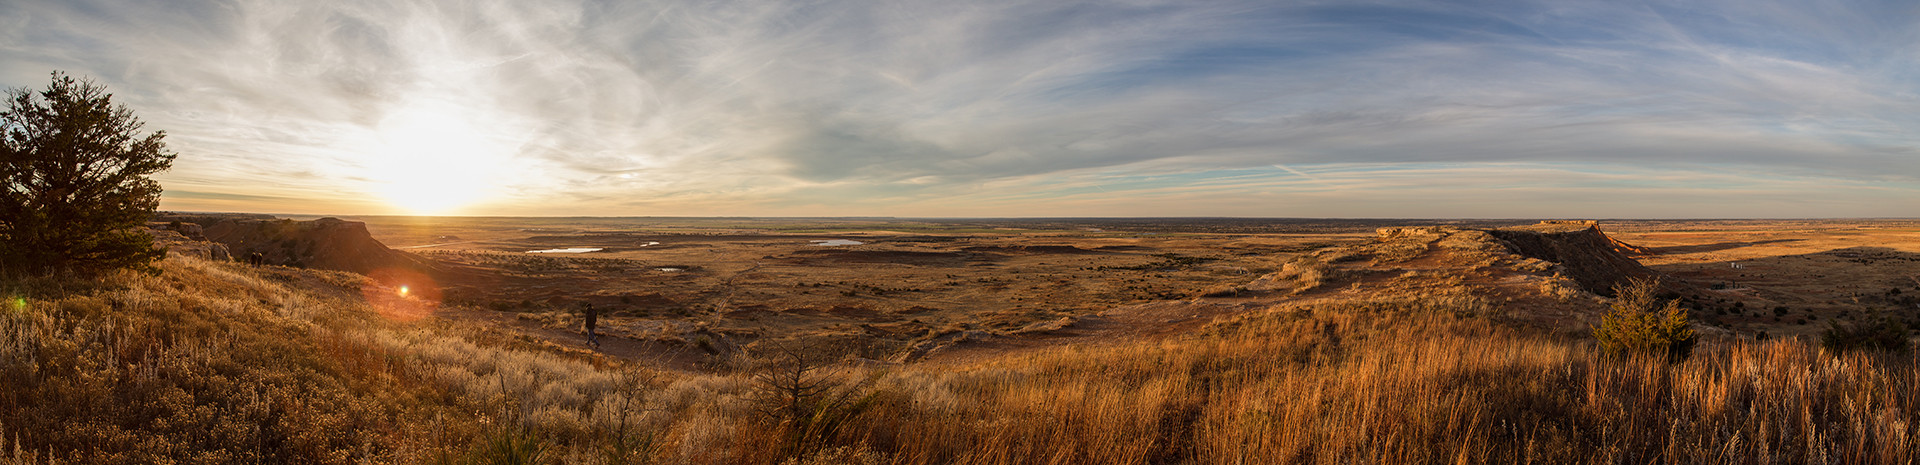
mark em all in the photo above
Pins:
pixel 1788 277
pixel 685 291
pixel 876 284
pixel 740 341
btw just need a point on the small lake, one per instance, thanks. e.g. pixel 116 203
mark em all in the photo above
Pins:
pixel 833 242
pixel 569 250
pixel 671 270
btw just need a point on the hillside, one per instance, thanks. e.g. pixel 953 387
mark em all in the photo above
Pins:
pixel 1428 344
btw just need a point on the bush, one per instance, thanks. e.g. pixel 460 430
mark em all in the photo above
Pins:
pixel 1640 324
pixel 1877 333
pixel 800 395
pixel 510 446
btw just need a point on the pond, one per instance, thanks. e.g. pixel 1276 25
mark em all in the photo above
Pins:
pixel 833 242
pixel 569 250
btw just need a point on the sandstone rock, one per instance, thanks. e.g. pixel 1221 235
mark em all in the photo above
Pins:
pixel 218 252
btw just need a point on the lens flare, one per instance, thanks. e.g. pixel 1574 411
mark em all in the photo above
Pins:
pixel 400 294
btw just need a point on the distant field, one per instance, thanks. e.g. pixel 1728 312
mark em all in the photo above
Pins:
pixel 750 277
pixel 754 279
pixel 405 229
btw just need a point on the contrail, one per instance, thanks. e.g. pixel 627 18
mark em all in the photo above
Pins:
pixel 1294 171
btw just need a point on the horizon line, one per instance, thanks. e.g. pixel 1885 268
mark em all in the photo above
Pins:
pixel 321 215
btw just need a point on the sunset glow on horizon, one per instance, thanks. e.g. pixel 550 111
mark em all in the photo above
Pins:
pixel 437 161
pixel 1555 108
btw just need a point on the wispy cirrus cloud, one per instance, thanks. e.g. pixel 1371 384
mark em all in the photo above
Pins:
pixel 989 108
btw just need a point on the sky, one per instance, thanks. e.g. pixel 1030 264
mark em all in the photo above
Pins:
pixel 1269 108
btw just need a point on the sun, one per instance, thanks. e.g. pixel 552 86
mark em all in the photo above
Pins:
pixel 437 159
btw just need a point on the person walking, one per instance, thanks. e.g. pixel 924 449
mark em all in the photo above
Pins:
pixel 593 321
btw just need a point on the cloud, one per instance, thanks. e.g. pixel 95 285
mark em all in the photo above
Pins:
pixel 761 107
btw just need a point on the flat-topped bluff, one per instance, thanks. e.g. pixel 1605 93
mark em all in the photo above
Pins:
pixel 1589 256
pixel 1578 248
pixel 325 243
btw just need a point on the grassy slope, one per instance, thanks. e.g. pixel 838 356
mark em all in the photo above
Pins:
pixel 218 363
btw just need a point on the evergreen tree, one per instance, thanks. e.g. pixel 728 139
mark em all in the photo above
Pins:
pixel 74 185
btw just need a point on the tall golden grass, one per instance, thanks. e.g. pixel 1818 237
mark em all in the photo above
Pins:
pixel 220 363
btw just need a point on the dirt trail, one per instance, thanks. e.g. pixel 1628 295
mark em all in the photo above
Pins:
pixel 679 357
pixel 726 301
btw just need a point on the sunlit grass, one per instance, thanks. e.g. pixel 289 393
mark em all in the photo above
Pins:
pixel 220 363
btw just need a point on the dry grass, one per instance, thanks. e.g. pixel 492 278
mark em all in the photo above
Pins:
pixel 1366 383
pixel 216 363
pixel 197 365
pixel 1560 288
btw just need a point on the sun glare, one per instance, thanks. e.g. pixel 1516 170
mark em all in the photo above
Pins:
pixel 436 159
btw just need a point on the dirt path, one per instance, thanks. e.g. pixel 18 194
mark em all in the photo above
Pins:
pixel 726 302
pixel 679 357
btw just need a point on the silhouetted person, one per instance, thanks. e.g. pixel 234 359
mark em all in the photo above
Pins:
pixel 593 321
pixel 256 259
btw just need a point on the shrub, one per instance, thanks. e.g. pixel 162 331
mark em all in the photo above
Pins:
pixel 510 446
pixel 1640 323
pixel 797 392
pixel 1876 333
pixel 1223 290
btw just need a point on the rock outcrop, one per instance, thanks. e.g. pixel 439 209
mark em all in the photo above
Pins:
pixel 326 243
pixel 1597 262
pixel 1574 250
pixel 192 231
pixel 175 242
